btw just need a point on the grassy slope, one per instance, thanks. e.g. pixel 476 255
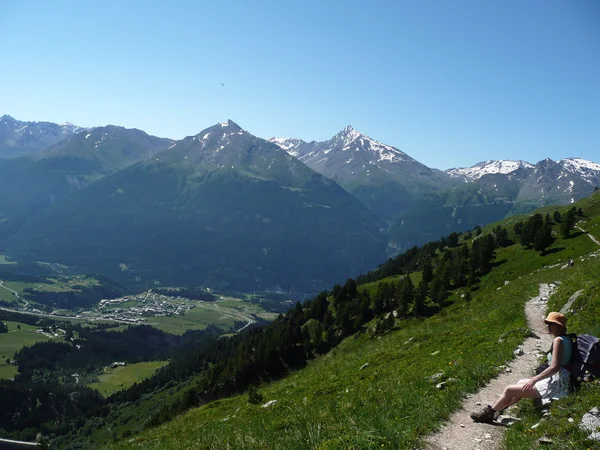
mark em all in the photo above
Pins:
pixel 114 380
pixel 333 404
pixel 13 341
pixel 583 318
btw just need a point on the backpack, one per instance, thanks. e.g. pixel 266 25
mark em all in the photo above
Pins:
pixel 585 361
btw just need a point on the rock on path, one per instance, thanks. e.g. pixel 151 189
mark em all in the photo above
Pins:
pixel 460 432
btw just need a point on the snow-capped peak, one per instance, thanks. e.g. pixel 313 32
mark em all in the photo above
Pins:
pixel 347 135
pixel 488 167
pixel 578 164
pixel 230 124
pixel 288 144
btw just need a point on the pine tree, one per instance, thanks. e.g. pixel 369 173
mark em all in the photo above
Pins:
pixel 350 288
pixel 327 320
pixel 556 216
pixel 427 271
pixel 406 295
pixel 420 298
pixel 543 238
pixel 568 223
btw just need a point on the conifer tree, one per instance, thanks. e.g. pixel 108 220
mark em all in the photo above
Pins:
pixel 568 223
pixel 420 298
pixel 427 270
pixel 556 216
pixel 543 238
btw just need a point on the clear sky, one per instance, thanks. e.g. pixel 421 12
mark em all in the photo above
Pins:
pixel 451 83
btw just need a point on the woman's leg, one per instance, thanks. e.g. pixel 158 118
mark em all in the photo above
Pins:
pixel 512 394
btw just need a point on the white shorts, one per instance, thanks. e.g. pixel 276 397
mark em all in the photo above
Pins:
pixel 554 387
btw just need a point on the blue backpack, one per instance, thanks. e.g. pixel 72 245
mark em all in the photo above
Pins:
pixel 585 362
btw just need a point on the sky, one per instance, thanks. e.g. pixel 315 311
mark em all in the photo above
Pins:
pixel 450 83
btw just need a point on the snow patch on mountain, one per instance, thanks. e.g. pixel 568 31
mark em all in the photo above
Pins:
pixel 346 140
pixel 488 167
pixel 290 145
pixel 350 139
pixel 587 170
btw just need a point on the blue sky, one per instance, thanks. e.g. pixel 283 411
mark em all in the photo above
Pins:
pixel 451 83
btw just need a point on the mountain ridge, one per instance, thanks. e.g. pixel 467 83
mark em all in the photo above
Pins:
pixel 222 208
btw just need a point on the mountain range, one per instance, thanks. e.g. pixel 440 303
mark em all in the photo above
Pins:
pixel 19 138
pixel 222 208
pixel 420 203
pixel 227 209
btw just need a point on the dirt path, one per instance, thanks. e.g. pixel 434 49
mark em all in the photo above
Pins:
pixel 589 235
pixel 460 432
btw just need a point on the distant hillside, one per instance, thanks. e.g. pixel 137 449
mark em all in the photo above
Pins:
pixel 222 209
pixel 369 390
pixel 421 204
pixel 40 180
pixel 19 138
pixel 384 178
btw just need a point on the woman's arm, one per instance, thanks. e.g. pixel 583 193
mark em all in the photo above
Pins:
pixel 557 351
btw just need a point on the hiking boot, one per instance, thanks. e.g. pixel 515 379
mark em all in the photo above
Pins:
pixel 485 415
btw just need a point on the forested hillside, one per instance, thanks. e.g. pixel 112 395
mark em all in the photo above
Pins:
pixel 440 308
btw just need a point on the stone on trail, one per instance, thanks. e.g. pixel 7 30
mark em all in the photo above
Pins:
pixel 507 421
pixel 519 352
pixel 591 422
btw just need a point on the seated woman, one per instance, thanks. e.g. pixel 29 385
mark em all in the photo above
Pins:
pixel 550 384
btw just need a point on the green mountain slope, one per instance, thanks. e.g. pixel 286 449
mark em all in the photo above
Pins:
pixel 30 184
pixel 374 389
pixel 222 209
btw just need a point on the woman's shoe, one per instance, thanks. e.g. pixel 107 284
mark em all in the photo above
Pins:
pixel 485 415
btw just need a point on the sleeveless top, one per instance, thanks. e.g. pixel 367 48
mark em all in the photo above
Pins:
pixel 567 351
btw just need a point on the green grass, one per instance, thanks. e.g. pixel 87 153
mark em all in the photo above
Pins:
pixel 13 341
pixel 390 403
pixel 334 404
pixel 221 313
pixel 583 319
pixel 56 284
pixel 194 319
pixel 7 296
pixel 114 380
pixel 371 288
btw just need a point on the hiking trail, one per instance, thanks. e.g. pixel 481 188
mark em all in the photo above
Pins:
pixel 460 432
pixel 593 238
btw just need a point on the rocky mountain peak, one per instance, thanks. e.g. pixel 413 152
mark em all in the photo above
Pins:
pixel 230 125
pixel 348 135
